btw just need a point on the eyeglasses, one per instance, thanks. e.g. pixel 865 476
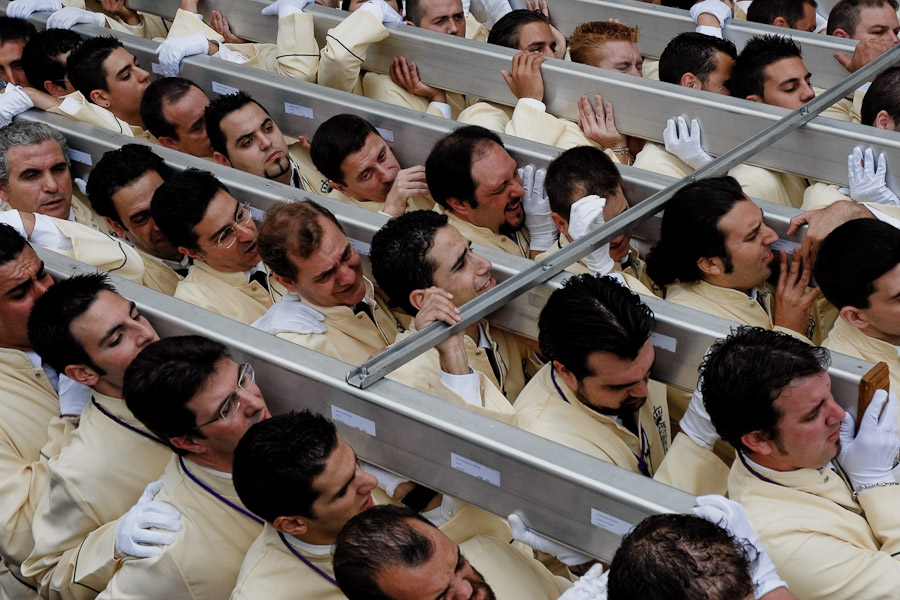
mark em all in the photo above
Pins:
pixel 246 377
pixel 229 236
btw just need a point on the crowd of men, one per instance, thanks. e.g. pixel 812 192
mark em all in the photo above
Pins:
pixel 134 466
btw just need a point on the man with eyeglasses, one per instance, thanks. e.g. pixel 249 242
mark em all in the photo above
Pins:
pixel 190 394
pixel 205 222
pixel 85 525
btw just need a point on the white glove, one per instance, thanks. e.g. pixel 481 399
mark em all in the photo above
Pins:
pixel 521 533
pixel 821 23
pixel 22 9
pixel 869 456
pixel 73 396
pixel 541 228
pixel 585 216
pixel 285 8
pixel 590 586
pixel 716 8
pixel 684 142
pixel 176 48
pixel 867 182
pixel 290 315
pixel 696 423
pixel 730 515
pixel 81 184
pixel 134 536
pixel 386 480
pixel 383 11
pixel 13 102
pixel 68 17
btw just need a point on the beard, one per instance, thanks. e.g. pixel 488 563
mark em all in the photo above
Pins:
pixel 482 585
pixel 628 406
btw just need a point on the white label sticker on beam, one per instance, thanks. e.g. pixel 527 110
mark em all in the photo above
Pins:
pixel 477 470
pixel 80 157
pixel 352 420
pixel 663 342
pixel 361 246
pixel 296 109
pixel 157 68
pixel 610 523
pixel 785 245
pixel 224 90
pixel 257 214
pixel 387 134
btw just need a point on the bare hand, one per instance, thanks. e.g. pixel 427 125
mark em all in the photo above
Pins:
pixel 437 305
pixel 408 183
pixel 525 79
pixel 538 6
pixel 823 221
pixel 220 24
pixel 42 100
pixel 304 142
pixel 406 75
pixel 866 51
pixel 118 8
pixel 190 5
pixel 598 123
pixel 793 301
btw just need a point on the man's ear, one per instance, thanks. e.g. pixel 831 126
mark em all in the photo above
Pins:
pixel 188 443
pixel 690 80
pixel 756 98
pixel 194 254
pixel 287 283
pixel 82 374
pixel 757 441
pixel 54 89
pixel 561 224
pixel 781 22
pixel 168 142
pixel 566 375
pixel 459 207
pixel 221 158
pixel 854 317
pixel 711 266
pixel 100 98
pixel 417 299
pixel 4 193
pixel 883 120
pixel 339 187
pixel 120 231
pixel 295 526
pixel 841 33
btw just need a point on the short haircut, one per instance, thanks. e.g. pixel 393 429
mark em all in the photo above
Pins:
pixel 592 314
pixel 15 30
pixel 579 172
pixel 845 14
pixel 692 52
pixel 180 203
pixel 335 140
pixel 163 378
pixel 399 255
pixel 25 133
pixel 505 32
pixel 883 95
pixel 748 75
pixel 681 556
pixel 40 57
pixel 448 168
pixel 690 230
pixel 586 43
pixel 85 64
pixel 118 169
pixel 277 460
pixel 852 257
pixel 50 322
pixel 159 94
pixel 415 11
pixel 220 108
pixel 374 540
pixel 11 244
pixel 291 228
pixel 743 375
pixel 766 11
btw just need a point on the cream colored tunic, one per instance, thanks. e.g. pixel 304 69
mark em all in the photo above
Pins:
pixel 774 186
pixel 227 294
pixel 512 571
pixel 654 157
pixel 204 560
pixel 849 340
pixel 101 250
pixel 412 203
pixel 93 482
pixel 84 111
pixel 151 26
pixel 158 275
pixel 484 236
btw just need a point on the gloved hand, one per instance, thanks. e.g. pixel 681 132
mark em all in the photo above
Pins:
pixel 383 11
pixel 521 533
pixel 585 216
pixel 730 515
pixel 696 423
pixel 176 48
pixel 13 102
pixel 868 457
pixel 541 228
pixel 73 396
pixel 290 315
pixel 22 9
pixel 716 8
pixel 81 184
pixel 134 536
pixel 867 182
pixel 821 23
pixel 69 16
pixel 590 586
pixel 386 480
pixel 285 8
pixel 684 142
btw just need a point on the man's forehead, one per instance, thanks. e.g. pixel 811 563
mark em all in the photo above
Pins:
pixel 785 69
pixel 742 218
pixel 118 58
pixel 356 162
pixel 491 164
pixel 434 7
pixel 221 209
pixel 242 121
pixel 15 271
pixel 48 150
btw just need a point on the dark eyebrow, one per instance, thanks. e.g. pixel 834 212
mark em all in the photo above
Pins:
pixel 125 68
pixel 459 562
pixel 218 232
pixel 790 81
pixel 326 273
pixel 112 331
pixel 461 260
pixel 343 490
pixel 753 231
pixel 812 413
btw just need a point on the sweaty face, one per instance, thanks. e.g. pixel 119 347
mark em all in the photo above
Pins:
pixel 255 143
pixel 39 180
pixel 621 56
pixel 332 274
pixel 11 69
pixel 882 318
pixel 498 191
pixel 447 575
pixel 877 23
pixel 748 242
pixel 616 386
pixel 220 216
pixel 444 16
pixel 457 269
pixel 126 83
pixel 719 81
pixel 187 115
pixel 786 84
pixel 369 172
pixel 537 37
pixel 22 281
pixel 112 332
pixel 132 203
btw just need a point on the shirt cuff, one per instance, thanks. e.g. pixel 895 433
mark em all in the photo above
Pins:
pixel 468 386
pixel 231 56
pixel 443 107
pixel 533 103
pixel 70 105
pixel 47 235
pixel 883 217
pixel 709 30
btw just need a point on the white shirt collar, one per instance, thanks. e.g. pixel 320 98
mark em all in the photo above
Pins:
pixel 310 549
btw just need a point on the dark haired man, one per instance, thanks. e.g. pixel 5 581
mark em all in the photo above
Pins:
pixel 44 60
pixel 174 111
pixel 14 35
pixel 85 524
pixel 189 393
pixel 865 20
pixel 768 395
pixel 791 14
